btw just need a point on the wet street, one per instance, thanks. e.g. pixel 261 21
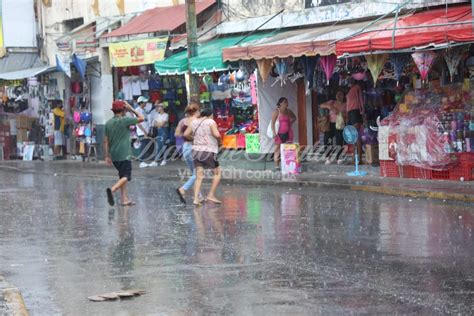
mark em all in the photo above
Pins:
pixel 265 251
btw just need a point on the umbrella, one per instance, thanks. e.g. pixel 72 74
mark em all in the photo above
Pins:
pixel 423 61
pixel 453 58
pixel 399 61
pixel 376 64
pixel 264 68
pixel 328 63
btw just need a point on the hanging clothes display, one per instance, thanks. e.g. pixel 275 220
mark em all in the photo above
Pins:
pixel 376 64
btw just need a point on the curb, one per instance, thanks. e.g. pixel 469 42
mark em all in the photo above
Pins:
pixel 363 188
pixel 14 300
pixel 295 183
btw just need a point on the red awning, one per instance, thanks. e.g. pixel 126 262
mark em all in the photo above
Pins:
pixel 296 43
pixel 160 19
pixel 423 29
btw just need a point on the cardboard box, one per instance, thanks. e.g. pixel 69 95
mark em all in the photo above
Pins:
pixel 22 135
pixel 383 133
pixel 383 152
pixel 24 122
pixel 371 154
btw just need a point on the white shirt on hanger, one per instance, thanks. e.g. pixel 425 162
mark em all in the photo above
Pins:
pixel 127 88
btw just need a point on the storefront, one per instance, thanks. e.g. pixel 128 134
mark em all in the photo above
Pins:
pixel 282 61
pixel 24 112
pixel 424 58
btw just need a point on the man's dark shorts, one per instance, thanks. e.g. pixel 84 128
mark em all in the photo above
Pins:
pixel 124 169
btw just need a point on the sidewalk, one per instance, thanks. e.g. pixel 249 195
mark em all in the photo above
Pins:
pixel 317 175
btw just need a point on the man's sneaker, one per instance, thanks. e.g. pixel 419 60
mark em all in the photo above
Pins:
pixel 153 164
pixel 163 163
pixel 143 164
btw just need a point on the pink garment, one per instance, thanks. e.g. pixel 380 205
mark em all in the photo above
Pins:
pixel 285 128
pixel 253 89
pixel 355 100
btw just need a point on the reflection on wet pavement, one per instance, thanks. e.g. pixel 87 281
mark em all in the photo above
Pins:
pixel 266 250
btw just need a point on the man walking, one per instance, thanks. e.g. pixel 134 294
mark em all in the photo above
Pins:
pixel 118 150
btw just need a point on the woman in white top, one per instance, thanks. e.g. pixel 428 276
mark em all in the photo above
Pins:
pixel 206 140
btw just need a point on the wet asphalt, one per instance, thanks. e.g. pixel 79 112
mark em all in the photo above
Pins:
pixel 265 251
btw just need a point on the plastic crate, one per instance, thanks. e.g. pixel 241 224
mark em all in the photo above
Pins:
pixel 440 174
pixel 389 169
pixel 412 172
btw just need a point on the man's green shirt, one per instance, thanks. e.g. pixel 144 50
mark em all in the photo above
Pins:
pixel 118 132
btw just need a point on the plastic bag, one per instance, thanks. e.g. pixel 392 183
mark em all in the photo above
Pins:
pixel 340 124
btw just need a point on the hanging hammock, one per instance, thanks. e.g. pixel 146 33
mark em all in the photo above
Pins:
pixel 328 63
pixel 399 61
pixel 424 61
pixel 453 57
pixel 264 68
pixel 376 64
pixel 281 68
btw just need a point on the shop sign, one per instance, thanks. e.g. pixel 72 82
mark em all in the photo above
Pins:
pixel 66 45
pixel 320 3
pixel 139 52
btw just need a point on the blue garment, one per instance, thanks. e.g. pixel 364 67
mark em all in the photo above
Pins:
pixel 188 158
pixel 160 143
pixel 144 148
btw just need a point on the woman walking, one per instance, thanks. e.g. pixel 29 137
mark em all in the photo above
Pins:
pixel 284 134
pixel 192 114
pixel 206 140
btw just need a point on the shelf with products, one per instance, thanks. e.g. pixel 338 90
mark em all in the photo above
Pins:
pixel 233 98
pixel 431 130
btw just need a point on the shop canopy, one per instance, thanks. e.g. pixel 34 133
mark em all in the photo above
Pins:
pixel 160 19
pixel 209 57
pixel 26 73
pixel 296 43
pixel 434 28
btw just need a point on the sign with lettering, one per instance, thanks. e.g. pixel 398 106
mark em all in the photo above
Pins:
pixel 139 52
pixel 320 3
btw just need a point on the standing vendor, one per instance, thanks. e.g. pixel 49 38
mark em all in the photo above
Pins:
pixel 59 122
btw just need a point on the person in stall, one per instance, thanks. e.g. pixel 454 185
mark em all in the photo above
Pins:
pixel 59 124
pixel 356 112
pixel 284 134
pixel 335 107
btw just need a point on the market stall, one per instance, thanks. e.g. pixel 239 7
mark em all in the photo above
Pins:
pixel 229 89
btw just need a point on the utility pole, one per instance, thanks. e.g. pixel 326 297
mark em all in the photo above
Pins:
pixel 191 29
